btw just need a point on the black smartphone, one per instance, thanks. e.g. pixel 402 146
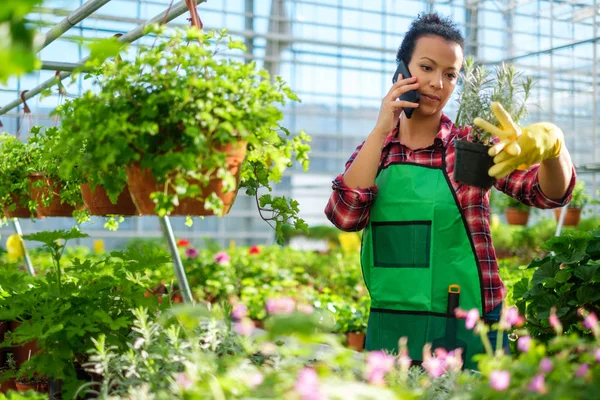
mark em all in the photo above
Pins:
pixel 411 95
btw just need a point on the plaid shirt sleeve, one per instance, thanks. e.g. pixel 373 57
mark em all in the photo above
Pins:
pixel 524 186
pixel 348 209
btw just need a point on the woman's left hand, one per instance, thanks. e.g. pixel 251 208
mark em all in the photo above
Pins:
pixel 520 148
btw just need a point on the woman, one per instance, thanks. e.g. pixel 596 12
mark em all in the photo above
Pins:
pixel 426 243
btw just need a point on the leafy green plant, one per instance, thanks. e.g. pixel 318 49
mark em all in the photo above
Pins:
pixel 77 300
pixel 21 161
pixel 579 197
pixel 172 109
pixel 16 39
pixel 567 278
pixel 47 163
pixel 15 189
pixel 480 88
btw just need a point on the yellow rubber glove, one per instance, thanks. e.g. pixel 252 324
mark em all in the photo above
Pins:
pixel 14 247
pixel 520 148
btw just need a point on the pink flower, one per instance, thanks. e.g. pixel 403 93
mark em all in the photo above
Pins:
pixel 554 321
pixel 597 354
pixel 306 308
pixel 221 258
pixel 499 380
pixel 510 317
pixel 245 327
pixel 307 385
pixel 239 311
pixel 282 305
pixel 460 313
pixel 378 364
pixel 524 343
pixel 184 381
pixel 404 362
pixel 472 318
pixel 434 366
pixel 582 370
pixel 254 379
pixel 538 384
pixel 546 365
pixel 591 321
pixel 454 361
pixel 191 252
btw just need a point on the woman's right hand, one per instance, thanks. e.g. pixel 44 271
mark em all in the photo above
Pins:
pixel 391 106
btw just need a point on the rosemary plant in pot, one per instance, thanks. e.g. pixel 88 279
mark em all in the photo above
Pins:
pixel 479 90
pixel 185 127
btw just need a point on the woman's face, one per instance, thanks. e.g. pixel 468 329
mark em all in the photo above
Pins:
pixel 436 62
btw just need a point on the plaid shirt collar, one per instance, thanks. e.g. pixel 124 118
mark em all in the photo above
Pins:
pixel 443 136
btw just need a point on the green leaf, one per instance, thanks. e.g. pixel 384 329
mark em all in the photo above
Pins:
pixel 101 49
pixel 520 288
pixel 587 294
pixel 50 237
pixel 563 276
pixel 586 272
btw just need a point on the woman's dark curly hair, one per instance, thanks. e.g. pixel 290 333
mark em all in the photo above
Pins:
pixel 428 25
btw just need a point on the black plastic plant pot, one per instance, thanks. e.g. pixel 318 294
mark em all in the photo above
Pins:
pixel 472 163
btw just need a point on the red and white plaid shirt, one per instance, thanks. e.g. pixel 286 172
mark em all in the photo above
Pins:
pixel 348 209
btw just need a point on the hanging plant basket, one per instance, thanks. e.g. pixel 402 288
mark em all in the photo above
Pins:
pixel 55 208
pixel 516 217
pixel 19 211
pixel 97 202
pixel 142 184
pixel 471 164
pixel 572 217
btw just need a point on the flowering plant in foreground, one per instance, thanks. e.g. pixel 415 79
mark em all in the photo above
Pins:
pixel 220 354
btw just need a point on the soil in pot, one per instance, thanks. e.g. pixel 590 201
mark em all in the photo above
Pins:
pixel 142 184
pixel 55 208
pixel 471 164
pixel 516 217
pixel 572 217
pixel 356 341
pixel 97 202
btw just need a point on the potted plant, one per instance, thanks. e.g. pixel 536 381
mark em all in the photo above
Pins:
pixel 15 189
pixel 8 371
pixel 54 196
pixel 182 126
pixel 579 199
pixel 516 213
pixel 479 90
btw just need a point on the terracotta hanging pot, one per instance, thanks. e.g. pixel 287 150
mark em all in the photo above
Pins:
pixel 55 208
pixel 572 217
pixel 142 184
pixel 516 217
pixel 19 211
pixel 97 202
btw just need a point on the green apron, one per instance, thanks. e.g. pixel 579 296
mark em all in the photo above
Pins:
pixel 416 255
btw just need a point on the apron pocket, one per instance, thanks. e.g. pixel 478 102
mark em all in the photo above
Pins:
pixel 401 244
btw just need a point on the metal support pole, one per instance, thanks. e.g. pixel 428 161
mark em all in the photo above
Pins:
pixel 184 286
pixel 561 219
pixel 71 20
pixel 19 232
pixel 131 36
